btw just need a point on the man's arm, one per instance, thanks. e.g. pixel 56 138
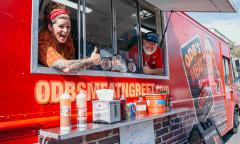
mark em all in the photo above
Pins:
pixel 155 71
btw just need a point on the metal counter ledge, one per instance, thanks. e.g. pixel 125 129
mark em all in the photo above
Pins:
pixel 75 131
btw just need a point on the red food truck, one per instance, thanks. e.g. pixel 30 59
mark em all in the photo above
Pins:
pixel 197 72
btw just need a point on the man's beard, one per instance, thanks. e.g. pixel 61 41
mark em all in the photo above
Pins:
pixel 149 52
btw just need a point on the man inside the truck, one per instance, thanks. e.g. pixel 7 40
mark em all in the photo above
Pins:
pixel 55 45
pixel 152 54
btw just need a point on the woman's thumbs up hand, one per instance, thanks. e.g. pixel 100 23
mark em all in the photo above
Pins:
pixel 95 57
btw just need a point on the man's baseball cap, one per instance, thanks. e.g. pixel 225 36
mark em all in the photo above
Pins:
pixel 152 37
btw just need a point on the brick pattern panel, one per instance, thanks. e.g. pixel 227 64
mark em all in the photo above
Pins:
pixel 218 114
pixel 174 128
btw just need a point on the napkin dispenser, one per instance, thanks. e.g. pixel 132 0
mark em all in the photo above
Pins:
pixel 106 111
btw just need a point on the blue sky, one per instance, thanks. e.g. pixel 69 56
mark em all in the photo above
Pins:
pixel 227 23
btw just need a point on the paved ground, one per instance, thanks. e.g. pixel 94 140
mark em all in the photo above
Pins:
pixel 232 138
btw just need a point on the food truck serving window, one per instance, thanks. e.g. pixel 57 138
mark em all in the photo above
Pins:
pixel 125 34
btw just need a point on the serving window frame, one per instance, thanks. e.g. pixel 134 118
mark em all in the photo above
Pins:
pixel 36 68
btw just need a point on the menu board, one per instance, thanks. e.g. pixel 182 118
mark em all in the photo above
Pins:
pixel 140 133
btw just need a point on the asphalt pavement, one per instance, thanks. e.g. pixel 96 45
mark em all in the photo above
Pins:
pixel 232 138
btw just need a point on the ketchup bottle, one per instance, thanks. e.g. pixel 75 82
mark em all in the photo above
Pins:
pixel 123 108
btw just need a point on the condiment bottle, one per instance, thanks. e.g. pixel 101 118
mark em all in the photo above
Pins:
pixel 141 107
pixel 81 104
pixel 170 104
pixel 65 111
pixel 167 103
pixel 123 106
pixel 131 108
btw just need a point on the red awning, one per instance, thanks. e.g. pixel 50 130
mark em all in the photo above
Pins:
pixel 195 5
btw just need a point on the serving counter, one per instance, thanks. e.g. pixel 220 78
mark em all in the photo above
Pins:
pixel 174 122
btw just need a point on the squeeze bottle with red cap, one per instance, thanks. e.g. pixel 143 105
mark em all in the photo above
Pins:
pixel 65 111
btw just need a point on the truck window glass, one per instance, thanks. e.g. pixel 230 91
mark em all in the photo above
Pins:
pixel 127 30
pixel 151 21
pixel 236 69
pixel 99 27
pixel 226 71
